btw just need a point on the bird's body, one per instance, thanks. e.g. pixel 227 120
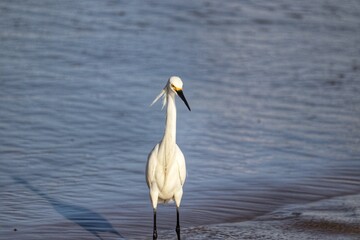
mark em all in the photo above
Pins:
pixel 168 174
pixel 166 169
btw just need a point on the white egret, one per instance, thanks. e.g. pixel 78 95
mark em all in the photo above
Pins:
pixel 165 169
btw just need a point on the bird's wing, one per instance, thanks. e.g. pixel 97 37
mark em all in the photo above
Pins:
pixel 151 165
pixel 181 165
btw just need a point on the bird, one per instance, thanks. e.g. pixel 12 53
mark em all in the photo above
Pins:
pixel 166 168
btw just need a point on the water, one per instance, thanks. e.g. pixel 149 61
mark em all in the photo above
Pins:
pixel 273 87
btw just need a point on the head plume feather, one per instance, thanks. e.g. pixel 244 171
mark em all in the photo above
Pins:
pixel 163 95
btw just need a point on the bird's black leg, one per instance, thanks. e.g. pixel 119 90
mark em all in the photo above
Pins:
pixel 154 231
pixel 177 223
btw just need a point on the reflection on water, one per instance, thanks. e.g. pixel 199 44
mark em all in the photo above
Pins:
pixel 275 110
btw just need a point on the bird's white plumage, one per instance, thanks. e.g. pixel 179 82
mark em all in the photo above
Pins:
pixel 166 169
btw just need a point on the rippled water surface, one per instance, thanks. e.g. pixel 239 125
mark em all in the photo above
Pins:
pixel 274 91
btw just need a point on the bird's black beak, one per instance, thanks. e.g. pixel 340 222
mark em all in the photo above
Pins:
pixel 181 95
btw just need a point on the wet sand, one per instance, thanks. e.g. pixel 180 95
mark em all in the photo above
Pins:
pixel 335 218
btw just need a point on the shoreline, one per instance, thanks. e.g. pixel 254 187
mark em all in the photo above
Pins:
pixel 334 218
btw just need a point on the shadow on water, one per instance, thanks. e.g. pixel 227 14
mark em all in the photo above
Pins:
pixel 85 218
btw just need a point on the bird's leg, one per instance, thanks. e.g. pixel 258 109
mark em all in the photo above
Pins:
pixel 154 231
pixel 177 223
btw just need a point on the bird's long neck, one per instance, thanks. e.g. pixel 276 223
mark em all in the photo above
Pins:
pixel 170 125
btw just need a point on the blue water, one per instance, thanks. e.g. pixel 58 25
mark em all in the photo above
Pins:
pixel 274 91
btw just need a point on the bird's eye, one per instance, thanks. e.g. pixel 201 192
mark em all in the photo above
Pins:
pixel 173 86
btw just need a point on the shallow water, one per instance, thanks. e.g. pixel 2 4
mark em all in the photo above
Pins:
pixel 273 87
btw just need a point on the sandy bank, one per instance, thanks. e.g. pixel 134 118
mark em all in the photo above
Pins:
pixel 335 218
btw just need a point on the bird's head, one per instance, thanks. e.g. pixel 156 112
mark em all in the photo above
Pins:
pixel 174 85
